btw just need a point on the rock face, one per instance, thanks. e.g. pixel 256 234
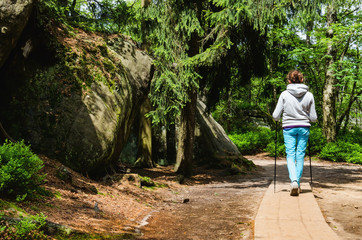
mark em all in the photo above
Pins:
pixel 13 18
pixel 214 147
pixel 75 96
pixel 103 122
pixel 212 136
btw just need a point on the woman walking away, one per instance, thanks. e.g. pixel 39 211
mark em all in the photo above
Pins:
pixel 298 109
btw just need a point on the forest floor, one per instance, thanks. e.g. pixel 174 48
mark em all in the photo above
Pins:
pixel 210 205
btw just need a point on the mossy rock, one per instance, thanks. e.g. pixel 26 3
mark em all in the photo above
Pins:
pixel 75 97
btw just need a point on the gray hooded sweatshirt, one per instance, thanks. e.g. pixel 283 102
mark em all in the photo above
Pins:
pixel 297 106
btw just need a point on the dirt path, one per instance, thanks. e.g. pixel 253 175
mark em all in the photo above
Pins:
pixel 338 190
pixel 226 209
pixel 212 211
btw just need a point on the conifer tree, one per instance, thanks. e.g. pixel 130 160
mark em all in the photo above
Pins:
pixel 197 44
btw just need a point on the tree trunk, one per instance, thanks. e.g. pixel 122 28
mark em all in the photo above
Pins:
pixel 144 158
pixel 229 110
pixel 345 114
pixel 73 13
pixel 310 26
pixel 171 144
pixel 145 3
pixel 353 97
pixel 186 137
pixel 330 91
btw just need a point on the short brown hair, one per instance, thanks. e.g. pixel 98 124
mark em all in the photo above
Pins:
pixel 295 76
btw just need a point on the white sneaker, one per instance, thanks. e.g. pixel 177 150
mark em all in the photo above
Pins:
pixel 294 189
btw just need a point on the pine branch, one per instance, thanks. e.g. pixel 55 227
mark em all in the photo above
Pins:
pixel 350 12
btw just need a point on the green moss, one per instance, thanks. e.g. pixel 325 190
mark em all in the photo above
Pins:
pixel 103 49
pixel 10 205
pixel 108 64
pixel 148 183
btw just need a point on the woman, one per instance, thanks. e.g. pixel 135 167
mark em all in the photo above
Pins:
pixel 298 108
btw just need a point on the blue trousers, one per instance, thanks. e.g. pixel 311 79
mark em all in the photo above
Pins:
pixel 295 140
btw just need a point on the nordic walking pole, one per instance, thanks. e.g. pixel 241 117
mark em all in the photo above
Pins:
pixel 275 153
pixel 310 165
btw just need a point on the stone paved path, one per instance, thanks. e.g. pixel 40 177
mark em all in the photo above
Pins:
pixel 281 216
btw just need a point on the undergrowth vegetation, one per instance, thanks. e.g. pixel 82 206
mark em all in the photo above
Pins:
pixel 347 148
pixel 28 228
pixel 252 142
pixel 19 171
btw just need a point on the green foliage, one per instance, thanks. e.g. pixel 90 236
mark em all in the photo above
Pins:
pixel 28 228
pixel 110 16
pixel 352 136
pixel 203 45
pixel 316 140
pixel 342 151
pixel 270 148
pixel 347 148
pixel 19 171
pixel 252 142
pixel 305 51
pixel 169 29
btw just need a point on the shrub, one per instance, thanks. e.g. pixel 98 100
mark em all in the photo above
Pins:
pixel 253 141
pixel 347 148
pixel 270 148
pixel 29 228
pixel 317 140
pixel 352 136
pixel 342 151
pixel 19 169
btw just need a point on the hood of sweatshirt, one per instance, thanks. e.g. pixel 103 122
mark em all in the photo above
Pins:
pixel 297 89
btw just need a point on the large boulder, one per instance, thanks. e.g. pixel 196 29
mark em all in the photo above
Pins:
pixel 212 138
pixel 75 96
pixel 14 16
pixel 214 147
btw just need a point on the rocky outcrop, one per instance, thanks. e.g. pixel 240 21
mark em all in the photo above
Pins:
pixel 214 138
pixel 214 147
pixel 75 96
pixel 13 18
pixel 101 128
